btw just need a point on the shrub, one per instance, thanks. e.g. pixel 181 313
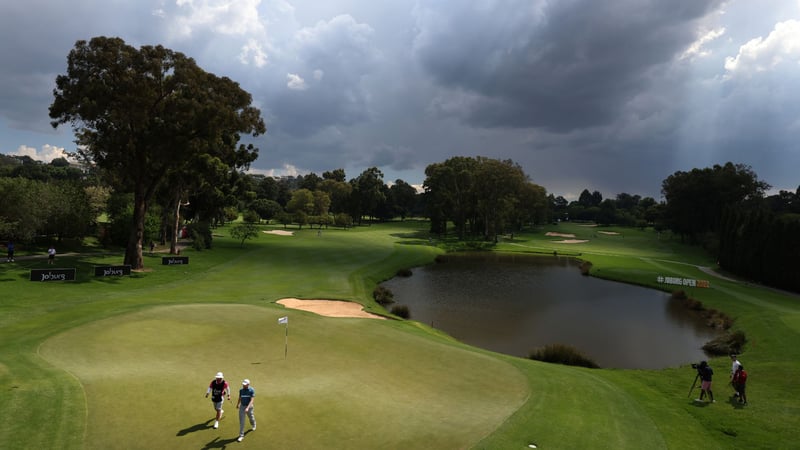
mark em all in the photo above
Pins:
pixel 201 235
pixel 401 311
pixel 586 267
pixel 404 273
pixel 713 318
pixel 717 319
pixel 727 344
pixel 382 295
pixel 562 354
pixel 680 294
pixel 251 216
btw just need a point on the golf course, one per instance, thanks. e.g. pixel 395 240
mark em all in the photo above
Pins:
pixel 124 362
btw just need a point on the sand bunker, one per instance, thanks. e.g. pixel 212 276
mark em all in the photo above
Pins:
pixel 280 232
pixel 329 308
pixel 571 241
pixel 613 233
pixel 550 233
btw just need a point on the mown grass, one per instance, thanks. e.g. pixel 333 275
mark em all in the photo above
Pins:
pixel 123 363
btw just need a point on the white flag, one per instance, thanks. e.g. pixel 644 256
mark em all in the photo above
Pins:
pixel 284 319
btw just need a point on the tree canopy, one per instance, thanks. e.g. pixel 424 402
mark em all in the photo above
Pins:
pixel 145 115
pixel 696 199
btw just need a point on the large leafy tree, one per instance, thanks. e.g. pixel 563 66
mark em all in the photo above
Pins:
pixel 404 198
pixel 368 193
pixel 497 188
pixel 479 195
pixel 450 194
pixel 696 199
pixel 144 114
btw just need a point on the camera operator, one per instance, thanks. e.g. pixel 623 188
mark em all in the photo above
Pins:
pixel 705 372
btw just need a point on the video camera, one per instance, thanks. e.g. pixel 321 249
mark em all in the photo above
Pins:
pixel 695 366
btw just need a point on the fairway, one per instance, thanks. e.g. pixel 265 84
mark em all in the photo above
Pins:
pixel 125 362
pixel 355 383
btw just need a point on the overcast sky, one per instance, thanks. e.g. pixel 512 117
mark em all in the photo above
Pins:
pixel 611 95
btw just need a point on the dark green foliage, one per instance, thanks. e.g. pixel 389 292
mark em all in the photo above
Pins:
pixel 404 273
pixel 401 311
pixel 148 115
pixel 244 231
pixel 383 295
pixel 251 216
pixel 343 220
pixel 761 246
pixel 562 354
pixel 697 199
pixel 728 343
pixel 201 235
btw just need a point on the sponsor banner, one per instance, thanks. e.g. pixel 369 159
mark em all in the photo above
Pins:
pixel 52 274
pixel 174 260
pixel 112 271
pixel 689 282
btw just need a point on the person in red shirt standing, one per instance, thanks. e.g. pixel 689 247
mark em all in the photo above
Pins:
pixel 218 388
pixel 739 382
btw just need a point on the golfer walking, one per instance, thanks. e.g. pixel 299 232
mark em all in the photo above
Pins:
pixel 218 388
pixel 245 404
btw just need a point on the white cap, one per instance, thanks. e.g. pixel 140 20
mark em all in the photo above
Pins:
pixel 245 381
pixel 219 374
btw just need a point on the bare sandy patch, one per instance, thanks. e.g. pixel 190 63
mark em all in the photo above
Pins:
pixel 571 241
pixel 551 233
pixel 280 232
pixel 329 308
pixel 612 233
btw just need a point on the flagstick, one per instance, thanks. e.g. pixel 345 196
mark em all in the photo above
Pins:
pixel 286 341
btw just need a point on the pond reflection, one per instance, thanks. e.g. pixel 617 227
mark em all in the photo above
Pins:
pixel 513 304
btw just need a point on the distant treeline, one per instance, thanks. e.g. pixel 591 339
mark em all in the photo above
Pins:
pixel 762 246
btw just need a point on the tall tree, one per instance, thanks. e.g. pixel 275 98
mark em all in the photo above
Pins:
pixel 497 188
pixel 695 200
pixel 404 198
pixel 144 113
pixel 449 189
pixel 367 193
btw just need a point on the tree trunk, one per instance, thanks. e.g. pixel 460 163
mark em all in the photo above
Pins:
pixel 173 245
pixel 133 252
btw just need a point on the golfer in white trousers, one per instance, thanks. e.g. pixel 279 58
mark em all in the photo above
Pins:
pixel 245 404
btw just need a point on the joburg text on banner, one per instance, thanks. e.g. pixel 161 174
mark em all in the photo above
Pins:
pixel 690 282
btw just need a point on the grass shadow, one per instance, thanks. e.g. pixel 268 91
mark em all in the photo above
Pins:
pixel 219 443
pixel 700 403
pixel 193 428
pixel 734 402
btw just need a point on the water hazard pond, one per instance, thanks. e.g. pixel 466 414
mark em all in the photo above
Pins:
pixel 514 304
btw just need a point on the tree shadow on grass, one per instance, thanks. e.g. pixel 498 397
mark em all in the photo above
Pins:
pixel 193 428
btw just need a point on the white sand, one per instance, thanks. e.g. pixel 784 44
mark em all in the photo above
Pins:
pixel 280 232
pixel 329 308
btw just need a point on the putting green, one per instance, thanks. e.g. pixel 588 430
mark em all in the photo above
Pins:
pixel 346 383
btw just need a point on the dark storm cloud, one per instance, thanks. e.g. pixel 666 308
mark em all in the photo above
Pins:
pixel 610 95
pixel 37 35
pixel 557 65
pixel 323 81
